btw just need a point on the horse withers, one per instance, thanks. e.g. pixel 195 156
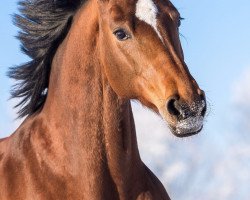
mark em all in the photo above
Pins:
pixel 88 60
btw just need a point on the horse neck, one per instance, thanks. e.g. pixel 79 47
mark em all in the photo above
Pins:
pixel 91 126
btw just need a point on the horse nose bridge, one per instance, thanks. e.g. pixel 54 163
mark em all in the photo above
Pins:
pixel 189 90
pixel 182 83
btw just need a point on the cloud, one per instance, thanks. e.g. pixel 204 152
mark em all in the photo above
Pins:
pixel 241 89
pixel 241 102
pixel 175 171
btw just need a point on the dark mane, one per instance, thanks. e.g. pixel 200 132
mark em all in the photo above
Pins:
pixel 44 24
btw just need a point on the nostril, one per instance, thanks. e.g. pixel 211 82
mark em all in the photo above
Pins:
pixel 204 105
pixel 172 107
pixel 202 95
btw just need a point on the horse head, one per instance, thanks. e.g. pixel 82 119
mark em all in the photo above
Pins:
pixel 143 59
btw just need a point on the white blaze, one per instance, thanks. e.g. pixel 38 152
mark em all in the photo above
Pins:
pixel 147 11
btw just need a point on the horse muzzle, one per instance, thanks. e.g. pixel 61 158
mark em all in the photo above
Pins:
pixel 184 120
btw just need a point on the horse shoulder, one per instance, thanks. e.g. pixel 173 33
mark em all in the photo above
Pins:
pixel 19 164
pixel 12 181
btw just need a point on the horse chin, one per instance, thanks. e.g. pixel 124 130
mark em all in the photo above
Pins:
pixel 184 133
pixel 188 127
pixel 184 128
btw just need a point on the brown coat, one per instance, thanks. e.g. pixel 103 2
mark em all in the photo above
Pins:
pixel 82 143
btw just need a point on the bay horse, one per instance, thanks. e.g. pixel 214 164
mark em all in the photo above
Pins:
pixel 88 59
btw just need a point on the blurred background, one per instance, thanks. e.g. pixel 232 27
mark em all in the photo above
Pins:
pixel 214 164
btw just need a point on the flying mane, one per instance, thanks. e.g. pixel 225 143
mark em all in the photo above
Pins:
pixel 44 24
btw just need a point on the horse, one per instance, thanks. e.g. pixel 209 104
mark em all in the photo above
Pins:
pixel 88 60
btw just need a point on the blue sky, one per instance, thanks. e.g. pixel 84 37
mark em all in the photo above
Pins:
pixel 216 44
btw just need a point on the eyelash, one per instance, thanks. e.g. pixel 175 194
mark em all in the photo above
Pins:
pixel 179 21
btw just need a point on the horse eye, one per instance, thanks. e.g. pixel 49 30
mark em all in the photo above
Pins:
pixel 121 35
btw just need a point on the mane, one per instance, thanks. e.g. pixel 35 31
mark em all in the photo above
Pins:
pixel 44 24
